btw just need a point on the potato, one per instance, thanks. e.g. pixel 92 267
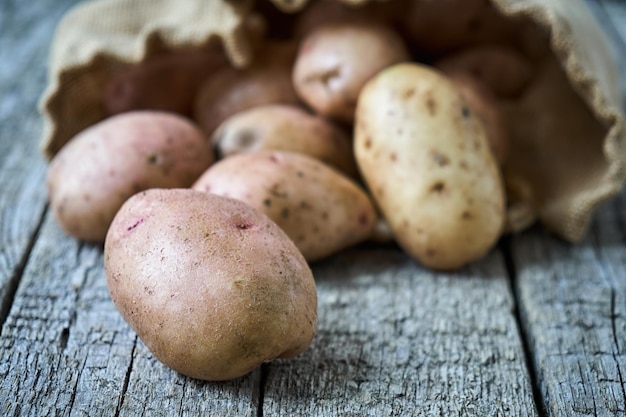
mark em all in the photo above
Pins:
pixel 441 26
pixel 486 108
pixel 166 82
pixel 323 12
pixel 502 69
pixel 101 167
pixel 424 155
pixel 210 285
pixel 287 128
pixel 320 209
pixel 231 90
pixel 336 60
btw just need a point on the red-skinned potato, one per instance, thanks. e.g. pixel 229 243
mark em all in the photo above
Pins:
pixel 210 285
pixel 334 62
pixel 442 26
pixel 503 70
pixel 287 128
pixel 319 208
pixel 267 80
pixel 166 82
pixel 95 172
pixel 323 12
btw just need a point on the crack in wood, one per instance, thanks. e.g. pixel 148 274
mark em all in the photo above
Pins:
pixel 511 269
pixel 14 281
pixel 262 383
pixel 129 370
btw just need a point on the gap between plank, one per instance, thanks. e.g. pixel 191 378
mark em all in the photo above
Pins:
pixel 129 370
pixel 15 279
pixel 505 247
pixel 262 382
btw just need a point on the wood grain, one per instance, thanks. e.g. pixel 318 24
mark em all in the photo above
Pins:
pixel 24 36
pixel 67 351
pixel 573 304
pixel 572 298
pixel 396 339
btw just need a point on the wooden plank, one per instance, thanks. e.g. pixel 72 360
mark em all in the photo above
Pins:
pixel 65 350
pixel 573 297
pixel 24 38
pixel 573 305
pixel 395 339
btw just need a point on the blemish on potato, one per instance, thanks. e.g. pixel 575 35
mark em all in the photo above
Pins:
pixel 438 187
pixel 284 213
pixel 408 93
pixel 153 159
pixel 393 157
pixel 363 219
pixel 466 215
pixel 267 202
pixel 431 104
pixel 134 225
pixel 440 159
pixel 465 111
pixel 430 252
pixel 368 143
pixel 327 78
pixel 245 138
pixel 276 192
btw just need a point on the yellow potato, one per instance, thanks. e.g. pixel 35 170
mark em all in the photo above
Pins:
pixel 426 159
pixel 320 209
pixel 210 285
pixel 101 167
pixel 287 128
pixel 487 110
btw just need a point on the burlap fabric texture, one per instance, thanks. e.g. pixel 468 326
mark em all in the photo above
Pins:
pixel 568 135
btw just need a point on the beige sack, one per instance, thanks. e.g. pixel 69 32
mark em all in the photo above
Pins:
pixel 568 135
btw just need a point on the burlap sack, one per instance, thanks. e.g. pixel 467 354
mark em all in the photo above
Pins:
pixel 568 135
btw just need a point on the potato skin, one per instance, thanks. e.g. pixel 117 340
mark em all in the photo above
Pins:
pixel 486 108
pixel 425 158
pixel 322 12
pixel 231 90
pixel 336 60
pixel 94 173
pixel 287 128
pixel 442 26
pixel 320 209
pixel 504 71
pixel 211 286
pixel 166 82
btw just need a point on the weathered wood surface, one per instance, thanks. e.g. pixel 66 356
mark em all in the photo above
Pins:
pixel 543 334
